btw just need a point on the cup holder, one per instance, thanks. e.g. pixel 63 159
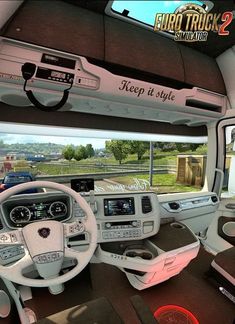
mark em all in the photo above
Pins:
pixel 139 253
pixel 177 225
pixel 229 229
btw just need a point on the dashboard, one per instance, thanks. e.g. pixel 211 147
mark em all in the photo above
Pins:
pixel 119 216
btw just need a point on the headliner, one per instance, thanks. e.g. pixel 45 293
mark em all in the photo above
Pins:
pixel 215 44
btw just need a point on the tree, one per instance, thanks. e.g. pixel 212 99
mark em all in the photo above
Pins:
pixel 68 152
pixel 202 149
pixel 165 146
pixel 182 147
pixel 80 153
pixel 2 145
pixel 89 150
pixel 193 146
pixel 139 148
pixel 118 148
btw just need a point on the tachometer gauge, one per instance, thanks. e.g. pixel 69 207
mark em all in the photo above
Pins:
pixel 20 214
pixel 58 209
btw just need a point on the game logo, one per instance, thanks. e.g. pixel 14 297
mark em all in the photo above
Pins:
pixel 191 23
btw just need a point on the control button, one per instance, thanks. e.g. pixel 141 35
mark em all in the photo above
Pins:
pixel 76 228
pixel 48 257
pixel 13 238
pixel 107 225
pixel 79 227
pixel 134 223
pixel 71 229
pixel 5 238
pixel 105 236
pixel 147 227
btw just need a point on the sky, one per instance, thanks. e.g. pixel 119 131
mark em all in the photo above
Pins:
pixel 146 10
pixel 23 139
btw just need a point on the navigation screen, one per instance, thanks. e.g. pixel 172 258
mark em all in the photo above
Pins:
pixel 116 206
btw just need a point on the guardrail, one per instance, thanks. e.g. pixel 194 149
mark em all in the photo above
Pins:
pixel 113 166
pixel 96 176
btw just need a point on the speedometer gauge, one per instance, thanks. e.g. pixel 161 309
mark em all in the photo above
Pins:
pixel 20 214
pixel 58 209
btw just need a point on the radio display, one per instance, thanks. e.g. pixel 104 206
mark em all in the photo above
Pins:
pixel 119 206
pixel 57 74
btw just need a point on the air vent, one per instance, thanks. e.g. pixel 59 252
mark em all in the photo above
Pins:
pixel 203 105
pixel 146 205
pixel 174 205
pixel 214 199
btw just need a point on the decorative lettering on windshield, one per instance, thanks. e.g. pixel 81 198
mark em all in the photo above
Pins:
pixel 137 185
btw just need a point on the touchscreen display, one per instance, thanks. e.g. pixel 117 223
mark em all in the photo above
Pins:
pixel 119 206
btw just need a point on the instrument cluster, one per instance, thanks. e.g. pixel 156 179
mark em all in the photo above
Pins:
pixel 23 213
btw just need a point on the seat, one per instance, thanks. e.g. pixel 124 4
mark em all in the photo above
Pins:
pixel 223 270
pixel 99 311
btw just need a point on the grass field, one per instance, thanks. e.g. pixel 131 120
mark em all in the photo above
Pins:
pixel 131 159
pixel 70 168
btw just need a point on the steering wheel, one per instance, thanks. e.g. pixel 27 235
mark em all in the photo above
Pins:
pixel 45 241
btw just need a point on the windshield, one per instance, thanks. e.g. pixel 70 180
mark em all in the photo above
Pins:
pixel 167 164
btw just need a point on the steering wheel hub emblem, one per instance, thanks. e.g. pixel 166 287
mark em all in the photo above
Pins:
pixel 44 232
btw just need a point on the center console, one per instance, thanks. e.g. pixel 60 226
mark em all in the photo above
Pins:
pixel 155 259
pixel 125 216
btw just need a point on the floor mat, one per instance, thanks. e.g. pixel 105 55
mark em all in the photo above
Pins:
pixel 190 289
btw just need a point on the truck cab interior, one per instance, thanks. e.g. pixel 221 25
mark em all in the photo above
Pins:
pixel 118 240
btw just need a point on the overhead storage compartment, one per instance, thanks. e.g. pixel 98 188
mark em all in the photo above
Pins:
pixel 77 30
pixel 120 47
pixel 201 70
pixel 134 47
pixel 98 91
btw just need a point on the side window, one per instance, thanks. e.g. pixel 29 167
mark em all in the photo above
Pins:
pixel 229 166
pixel 176 165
